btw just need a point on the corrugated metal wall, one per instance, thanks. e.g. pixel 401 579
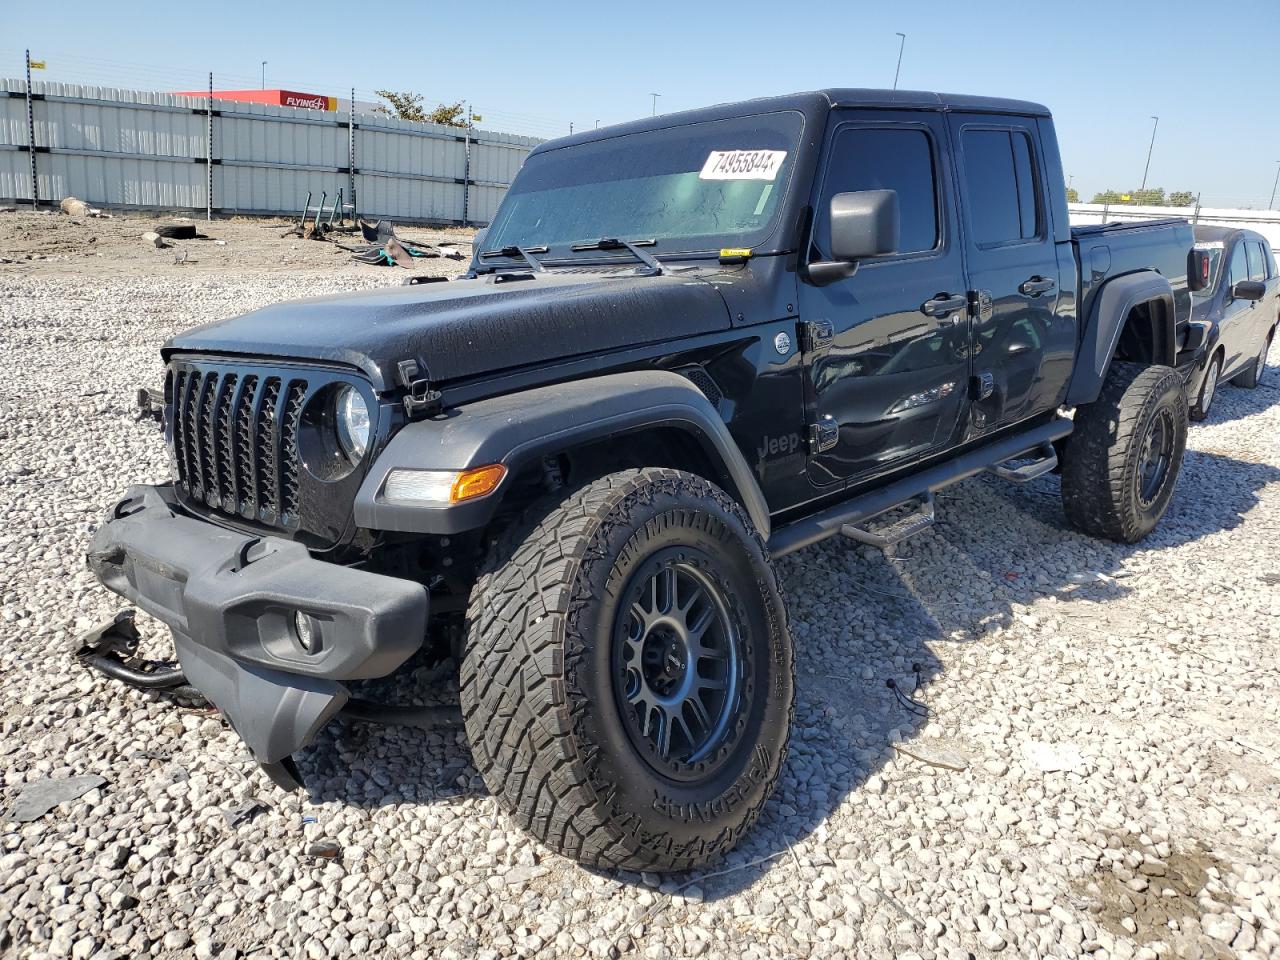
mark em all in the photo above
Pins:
pixel 125 148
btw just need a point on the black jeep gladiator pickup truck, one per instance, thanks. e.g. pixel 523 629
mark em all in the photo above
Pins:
pixel 684 347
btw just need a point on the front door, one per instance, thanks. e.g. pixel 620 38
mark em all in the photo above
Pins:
pixel 1022 350
pixel 1235 331
pixel 886 348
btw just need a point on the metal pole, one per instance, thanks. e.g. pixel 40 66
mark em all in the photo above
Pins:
pixel 264 74
pixel 1275 183
pixel 31 139
pixel 466 171
pixel 1195 217
pixel 351 153
pixel 896 70
pixel 208 155
pixel 1143 188
pixel 655 102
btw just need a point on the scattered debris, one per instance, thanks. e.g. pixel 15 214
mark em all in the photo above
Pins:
pixel 73 207
pixel 946 759
pixel 1054 757
pixel 40 796
pixel 383 248
pixel 325 849
pixel 243 812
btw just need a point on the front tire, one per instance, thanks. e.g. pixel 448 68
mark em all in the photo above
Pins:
pixel 626 681
pixel 1123 457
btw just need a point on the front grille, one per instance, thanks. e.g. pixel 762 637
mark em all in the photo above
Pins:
pixel 238 446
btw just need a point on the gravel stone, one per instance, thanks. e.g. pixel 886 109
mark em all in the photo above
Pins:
pixel 1110 710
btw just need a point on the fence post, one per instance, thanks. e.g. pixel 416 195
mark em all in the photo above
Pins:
pixel 351 153
pixel 208 155
pixel 466 171
pixel 31 139
pixel 1195 217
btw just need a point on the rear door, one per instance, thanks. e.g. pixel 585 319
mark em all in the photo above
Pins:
pixel 885 349
pixel 1022 350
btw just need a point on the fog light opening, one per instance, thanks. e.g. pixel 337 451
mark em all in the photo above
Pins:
pixel 307 631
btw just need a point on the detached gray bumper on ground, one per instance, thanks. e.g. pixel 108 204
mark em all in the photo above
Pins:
pixel 230 599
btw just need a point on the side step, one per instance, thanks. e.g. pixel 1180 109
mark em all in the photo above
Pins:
pixel 834 519
pixel 893 534
pixel 1046 462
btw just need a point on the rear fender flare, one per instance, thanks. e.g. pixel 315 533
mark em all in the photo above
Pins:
pixel 1111 307
pixel 520 428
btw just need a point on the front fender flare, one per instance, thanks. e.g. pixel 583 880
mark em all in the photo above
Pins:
pixel 1111 306
pixel 520 428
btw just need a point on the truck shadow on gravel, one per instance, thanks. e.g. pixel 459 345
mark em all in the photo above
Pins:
pixel 859 619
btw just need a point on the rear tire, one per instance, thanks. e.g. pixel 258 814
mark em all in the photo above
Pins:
pixel 1208 390
pixel 1123 457
pixel 582 629
pixel 1252 376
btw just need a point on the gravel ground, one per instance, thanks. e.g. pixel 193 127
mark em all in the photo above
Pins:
pixel 1097 774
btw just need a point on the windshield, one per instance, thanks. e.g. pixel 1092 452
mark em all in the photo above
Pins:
pixel 1214 251
pixel 698 187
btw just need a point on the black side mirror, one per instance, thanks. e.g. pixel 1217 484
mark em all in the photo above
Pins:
pixel 864 224
pixel 1249 290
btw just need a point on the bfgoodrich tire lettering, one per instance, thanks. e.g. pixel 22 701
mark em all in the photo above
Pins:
pixel 539 698
pixel 1111 485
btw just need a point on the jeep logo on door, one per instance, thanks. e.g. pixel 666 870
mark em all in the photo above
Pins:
pixel 782 446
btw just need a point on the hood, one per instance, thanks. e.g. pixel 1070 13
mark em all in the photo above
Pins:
pixel 467 327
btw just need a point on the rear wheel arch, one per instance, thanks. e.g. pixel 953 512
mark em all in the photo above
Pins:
pixel 1132 320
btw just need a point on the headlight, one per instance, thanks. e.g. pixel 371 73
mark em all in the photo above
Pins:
pixel 351 414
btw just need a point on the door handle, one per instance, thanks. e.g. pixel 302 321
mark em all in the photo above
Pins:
pixel 943 304
pixel 1035 286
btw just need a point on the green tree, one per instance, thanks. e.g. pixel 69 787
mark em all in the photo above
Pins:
pixel 1182 198
pixel 408 105
pixel 1073 195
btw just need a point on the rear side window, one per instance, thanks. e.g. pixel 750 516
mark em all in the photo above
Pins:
pixel 1000 182
pixel 1271 262
pixel 868 158
pixel 1257 264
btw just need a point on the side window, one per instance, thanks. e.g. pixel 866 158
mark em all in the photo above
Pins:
pixel 869 158
pixel 1239 269
pixel 1257 268
pixel 1271 262
pixel 1000 182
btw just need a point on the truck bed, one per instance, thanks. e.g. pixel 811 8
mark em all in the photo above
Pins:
pixel 1106 250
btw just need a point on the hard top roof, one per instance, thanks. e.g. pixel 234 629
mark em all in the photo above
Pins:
pixel 812 101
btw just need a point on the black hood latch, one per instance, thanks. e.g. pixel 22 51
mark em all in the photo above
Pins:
pixel 420 400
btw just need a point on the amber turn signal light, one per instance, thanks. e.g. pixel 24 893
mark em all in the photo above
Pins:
pixel 477 482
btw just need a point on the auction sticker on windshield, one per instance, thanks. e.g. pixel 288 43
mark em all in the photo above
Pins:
pixel 742 165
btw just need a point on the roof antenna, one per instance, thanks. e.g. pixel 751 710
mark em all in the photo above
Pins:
pixel 901 44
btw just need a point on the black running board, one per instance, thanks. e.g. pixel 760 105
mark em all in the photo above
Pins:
pixel 827 523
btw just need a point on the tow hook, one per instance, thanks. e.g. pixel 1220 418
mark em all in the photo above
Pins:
pixel 111 648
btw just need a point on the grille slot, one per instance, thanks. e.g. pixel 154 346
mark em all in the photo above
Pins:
pixel 289 463
pixel 235 438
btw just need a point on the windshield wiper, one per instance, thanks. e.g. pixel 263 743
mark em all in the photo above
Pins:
pixel 631 246
pixel 524 253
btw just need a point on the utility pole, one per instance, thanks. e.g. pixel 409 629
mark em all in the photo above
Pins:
pixel 597 124
pixel 901 45
pixel 1275 183
pixel 264 74
pixel 655 102
pixel 1147 168
pixel 31 140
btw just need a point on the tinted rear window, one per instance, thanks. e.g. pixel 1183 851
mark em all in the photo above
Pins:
pixel 1000 183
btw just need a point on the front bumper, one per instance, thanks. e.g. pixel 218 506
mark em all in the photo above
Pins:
pixel 230 600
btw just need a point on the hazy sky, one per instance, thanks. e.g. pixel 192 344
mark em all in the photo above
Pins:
pixel 1206 69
